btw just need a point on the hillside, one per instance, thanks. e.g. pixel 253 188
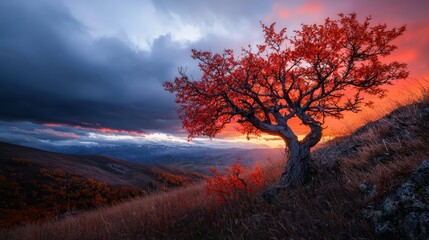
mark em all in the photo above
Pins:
pixel 110 170
pixel 29 177
pixel 355 172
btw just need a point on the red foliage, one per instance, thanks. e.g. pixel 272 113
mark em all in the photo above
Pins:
pixel 235 183
pixel 322 71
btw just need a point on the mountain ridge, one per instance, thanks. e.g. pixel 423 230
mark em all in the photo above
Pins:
pixel 108 167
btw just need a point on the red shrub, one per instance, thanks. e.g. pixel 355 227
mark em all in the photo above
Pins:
pixel 234 183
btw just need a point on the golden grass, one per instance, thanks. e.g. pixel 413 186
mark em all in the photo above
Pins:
pixel 131 218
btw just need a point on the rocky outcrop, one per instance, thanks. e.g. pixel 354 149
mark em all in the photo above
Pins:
pixel 405 213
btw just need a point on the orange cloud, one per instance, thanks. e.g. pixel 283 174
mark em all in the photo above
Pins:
pixel 284 12
pixel 97 129
pixel 314 7
pixel 57 133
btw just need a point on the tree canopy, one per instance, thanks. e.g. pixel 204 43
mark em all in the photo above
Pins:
pixel 321 71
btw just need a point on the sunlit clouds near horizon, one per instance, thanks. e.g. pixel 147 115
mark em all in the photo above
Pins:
pixel 56 135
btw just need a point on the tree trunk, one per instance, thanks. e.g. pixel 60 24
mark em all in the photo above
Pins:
pixel 299 169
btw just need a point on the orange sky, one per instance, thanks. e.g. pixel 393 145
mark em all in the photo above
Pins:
pixel 413 49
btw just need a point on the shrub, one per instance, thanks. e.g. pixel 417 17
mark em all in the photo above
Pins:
pixel 236 182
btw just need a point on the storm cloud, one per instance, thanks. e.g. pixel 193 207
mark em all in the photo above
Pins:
pixel 52 71
pixel 55 69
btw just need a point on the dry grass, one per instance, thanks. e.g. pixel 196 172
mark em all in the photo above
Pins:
pixel 384 153
pixel 133 219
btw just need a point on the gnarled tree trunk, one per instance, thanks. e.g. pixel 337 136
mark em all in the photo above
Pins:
pixel 300 167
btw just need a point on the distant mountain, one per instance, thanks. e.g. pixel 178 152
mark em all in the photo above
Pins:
pixel 194 158
pixel 112 171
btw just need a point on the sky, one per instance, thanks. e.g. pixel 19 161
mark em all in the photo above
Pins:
pixel 91 72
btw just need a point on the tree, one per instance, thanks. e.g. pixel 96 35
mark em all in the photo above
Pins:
pixel 322 71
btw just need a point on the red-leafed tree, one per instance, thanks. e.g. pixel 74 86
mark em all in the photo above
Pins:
pixel 322 71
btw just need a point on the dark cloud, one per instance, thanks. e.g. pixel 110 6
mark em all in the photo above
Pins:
pixel 51 70
pixel 34 135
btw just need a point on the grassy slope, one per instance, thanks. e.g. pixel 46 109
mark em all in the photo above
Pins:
pixel 383 152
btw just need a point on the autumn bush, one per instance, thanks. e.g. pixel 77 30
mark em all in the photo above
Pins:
pixel 172 180
pixel 235 183
pixel 68 191
pixel 31 194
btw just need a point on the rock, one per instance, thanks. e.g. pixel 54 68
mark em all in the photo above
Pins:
pixel 405 213
pixel 416 226
pixel 367 190
pixel 425 112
